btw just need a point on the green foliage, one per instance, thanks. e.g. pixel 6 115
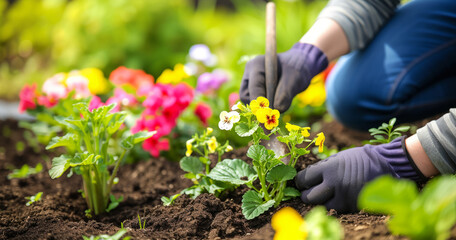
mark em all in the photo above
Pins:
pixel 141 225
pixel 25 171
pixel 386 132
pixel 271 172
pixel 116 236
pixel 322 226
pixel 87 140
pixel 198 168
pixel 33 199
pixel 428 215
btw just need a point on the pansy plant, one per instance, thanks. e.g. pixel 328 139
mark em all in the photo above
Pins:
pixel 197 164
pixel 87 141
pixel 268 168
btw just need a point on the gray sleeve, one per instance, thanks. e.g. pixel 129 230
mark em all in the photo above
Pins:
pixel 438 139
pixel 360 19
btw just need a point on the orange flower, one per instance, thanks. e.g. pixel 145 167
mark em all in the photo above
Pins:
pixel 269 117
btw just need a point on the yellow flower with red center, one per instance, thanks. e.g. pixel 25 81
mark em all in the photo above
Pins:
pixel 212 144
pixel 288 225
pixel 259 103
pixel 319 142
pixel 269 117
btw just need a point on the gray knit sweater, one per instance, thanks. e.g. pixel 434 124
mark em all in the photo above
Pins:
pixel 361 20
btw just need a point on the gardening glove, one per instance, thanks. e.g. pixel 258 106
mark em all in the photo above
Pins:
pixel 296 67
pixel 337 181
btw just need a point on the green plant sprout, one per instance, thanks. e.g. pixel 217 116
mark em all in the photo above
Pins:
pixel 33 199
pixel 198 167
pixel 386 133
pixel 428 215
pixel 271 172
pixel 143 225
pixel 25 171
pixel 87 141
pixel 116 236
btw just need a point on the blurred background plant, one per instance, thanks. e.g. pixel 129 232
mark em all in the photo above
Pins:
pixel 204 43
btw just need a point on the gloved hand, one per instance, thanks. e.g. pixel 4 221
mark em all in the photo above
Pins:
pixel 296 67
pixel 337 181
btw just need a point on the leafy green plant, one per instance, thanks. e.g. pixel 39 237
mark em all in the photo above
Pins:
pixel 33 199
pixel 87 142
pixel 25 171
pixel 271 172
pixel 198 167
pixel 116 236
pixel 386 132
pixel 427 215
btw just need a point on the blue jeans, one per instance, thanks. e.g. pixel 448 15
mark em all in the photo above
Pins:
pixel 407 71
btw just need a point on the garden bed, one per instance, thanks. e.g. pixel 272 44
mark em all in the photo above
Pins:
pixel 60 213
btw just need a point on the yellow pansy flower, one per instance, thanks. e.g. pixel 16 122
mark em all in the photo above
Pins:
pixel 173 76
pixel 305 131
pixel 229 148
pixel 260 102
pixel 315 94
pixel 288 225
pixel 97 82
pixel 319 142
pixel 269 117
pixel 291 127
pixel 212 144
pixel 209 130
pixel 189 147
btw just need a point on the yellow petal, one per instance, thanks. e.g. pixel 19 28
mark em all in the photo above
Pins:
pixel 287 224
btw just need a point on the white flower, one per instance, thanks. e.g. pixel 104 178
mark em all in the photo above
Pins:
pixel 235 107
pixel 227 119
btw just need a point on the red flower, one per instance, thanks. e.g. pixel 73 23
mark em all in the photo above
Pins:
pixel 133 77
pixel 28 96
pixel 154 146
pixel 204 112
pixel 47 101
pixel 95 102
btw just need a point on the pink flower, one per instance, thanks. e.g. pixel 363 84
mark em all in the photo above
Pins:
pixel 95 102
pixel 79 84
pixel 184 95
pixel 27 96
pixel 211 81
pixel 154 146
pixel 203 112
pixel 122 99
pixel 54 87
pixel 233 98
pixel 47 101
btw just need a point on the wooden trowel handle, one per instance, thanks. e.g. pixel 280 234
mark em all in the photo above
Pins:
pixel 271 53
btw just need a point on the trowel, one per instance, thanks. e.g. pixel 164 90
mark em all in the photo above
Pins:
pixel 279 148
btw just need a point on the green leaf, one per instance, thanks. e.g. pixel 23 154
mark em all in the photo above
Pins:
pixel 129 142
pixel 281 173
pixel 283 139
pixel 243 129
pixel 193 191
pixel 257 153
pixel 59 166
pixel 25 171
pixel 191 164
pixel 379 137
pixel 301 151
pixel 322 226
pixel 234 171
pixel 392 121
pixel 402 129
pixel 115 122
pixel 114 202
pixel 253 205
pixel 169 201
pixel 291 192
pixel 387 195
pixel 69 140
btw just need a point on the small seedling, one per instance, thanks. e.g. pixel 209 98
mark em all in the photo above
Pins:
pixel 386 133
pixel 25 171
pixel 33 199
pixel 116 236
pixel 143 225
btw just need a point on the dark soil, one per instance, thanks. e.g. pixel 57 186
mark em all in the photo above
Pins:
pixel 60 214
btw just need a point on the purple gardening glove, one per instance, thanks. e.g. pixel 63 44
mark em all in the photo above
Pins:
pixel 337 181
pixel 296 67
